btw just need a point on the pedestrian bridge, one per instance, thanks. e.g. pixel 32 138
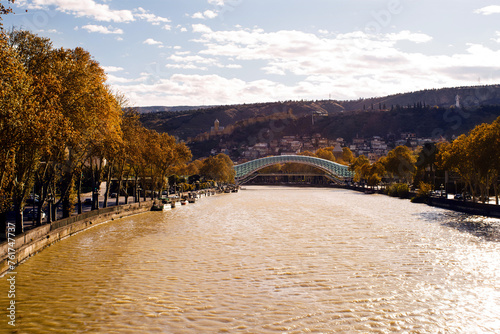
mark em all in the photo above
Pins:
pixel 247 171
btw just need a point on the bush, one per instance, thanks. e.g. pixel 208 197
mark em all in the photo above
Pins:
pixel 400 190
pixel 422 193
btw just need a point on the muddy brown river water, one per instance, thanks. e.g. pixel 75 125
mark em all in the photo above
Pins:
pixel 269 260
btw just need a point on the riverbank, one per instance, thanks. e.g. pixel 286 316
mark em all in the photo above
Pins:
pixel 488 210
pixel 479 209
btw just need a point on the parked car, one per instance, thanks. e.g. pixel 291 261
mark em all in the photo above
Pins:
pixel 33 214
pixel 33 199
pixel 87 201
pixel 459 197
pixel 113 195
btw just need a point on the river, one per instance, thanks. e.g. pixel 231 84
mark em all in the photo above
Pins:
pixel 269 260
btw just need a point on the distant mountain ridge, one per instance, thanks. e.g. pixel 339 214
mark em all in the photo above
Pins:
pixel 443 97
pixel 190 122
pixel 471 96
pixel 146 110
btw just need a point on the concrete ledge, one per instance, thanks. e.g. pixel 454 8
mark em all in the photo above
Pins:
pixel 479 209
pixel 33 241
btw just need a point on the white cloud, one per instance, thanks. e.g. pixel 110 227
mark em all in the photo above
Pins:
pixel 79 8
pixel 50 31
pixel 102 29
pixel 498 37
pixel 99 12
pixel 219 2
pixel 201 28
pixel 143 14
pixel 187 67
pixel 151 41
pixel 208 14
pixel 112 69
pixel 198 15
pixel 181 89
pixel 409 36
pixel 370 63
pixel 488 10
pixel 115 80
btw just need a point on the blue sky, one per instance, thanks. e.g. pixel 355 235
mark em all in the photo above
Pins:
pixel 208 52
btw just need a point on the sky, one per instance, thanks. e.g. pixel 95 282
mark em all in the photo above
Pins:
pixel 218 52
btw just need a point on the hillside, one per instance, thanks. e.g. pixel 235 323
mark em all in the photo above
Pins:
pixel 187 124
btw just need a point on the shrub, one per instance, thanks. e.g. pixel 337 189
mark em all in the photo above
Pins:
pixel 422 193
pixel 400 190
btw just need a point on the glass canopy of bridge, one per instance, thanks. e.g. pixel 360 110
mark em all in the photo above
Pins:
pixel 336 170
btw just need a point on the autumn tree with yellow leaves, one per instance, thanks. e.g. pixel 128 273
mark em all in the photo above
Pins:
pixel 58 118
pixel 475 157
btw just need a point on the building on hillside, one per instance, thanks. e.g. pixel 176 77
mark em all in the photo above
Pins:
pixel 216 129
pixel 337 151
pixel 408 135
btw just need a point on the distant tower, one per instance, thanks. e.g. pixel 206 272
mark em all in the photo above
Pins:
pixel 216 125
pixel 457 101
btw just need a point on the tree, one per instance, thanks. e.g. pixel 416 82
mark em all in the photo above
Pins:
pixel 14 99
pixel 168 155
pixel 347 155
pixel 374 174
pixel 218 168
pixel 325 153
pixel 475 157
pixel 4 11
pixel 91 113
pixel 426 164
pixel 360 167
pixel 454 157
pixel 400 163
pixel 41 116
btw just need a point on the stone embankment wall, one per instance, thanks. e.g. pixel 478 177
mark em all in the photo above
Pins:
pixel 33 241
pixel 480 209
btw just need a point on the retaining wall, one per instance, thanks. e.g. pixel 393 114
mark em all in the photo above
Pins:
pixel 34 240
pixel 480 209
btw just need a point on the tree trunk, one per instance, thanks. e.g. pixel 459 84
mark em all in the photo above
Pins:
pixel 79 198
pixel 18 211
pixel 126 190
pixel 495 187
pixel 119 191
pixel 137 197
pixel 67 205
pixel 108 183
pixel 41 201
pixel 3 225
